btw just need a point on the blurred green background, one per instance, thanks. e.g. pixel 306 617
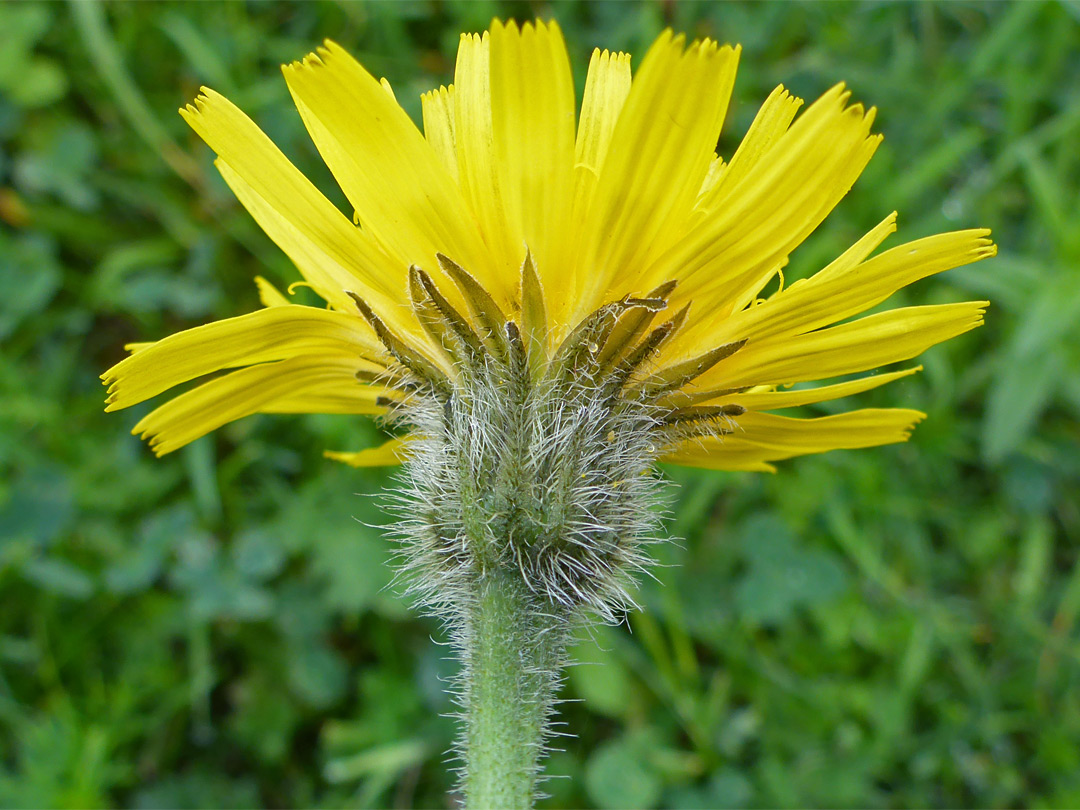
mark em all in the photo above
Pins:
pixel 887 628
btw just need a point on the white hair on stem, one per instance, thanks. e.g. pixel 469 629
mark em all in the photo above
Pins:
pixel 530 479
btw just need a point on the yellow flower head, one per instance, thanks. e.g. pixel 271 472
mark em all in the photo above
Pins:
pixel 613 246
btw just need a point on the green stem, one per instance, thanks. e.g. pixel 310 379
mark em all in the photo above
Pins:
pixel 513 655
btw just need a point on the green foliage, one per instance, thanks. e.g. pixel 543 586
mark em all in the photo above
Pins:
pixel 893 627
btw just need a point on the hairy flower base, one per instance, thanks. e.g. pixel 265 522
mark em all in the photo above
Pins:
pixel 534 465
pixel 529 492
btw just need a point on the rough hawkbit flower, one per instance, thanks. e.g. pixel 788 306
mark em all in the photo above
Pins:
pixel 547 303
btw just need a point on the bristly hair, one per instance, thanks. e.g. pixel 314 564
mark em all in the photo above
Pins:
pixel 532 468
pixel 538 465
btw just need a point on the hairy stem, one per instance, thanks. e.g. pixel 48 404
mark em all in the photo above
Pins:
pixel 514 652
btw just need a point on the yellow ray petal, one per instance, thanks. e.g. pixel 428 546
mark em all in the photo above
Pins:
pixel 242 393
pixel 858 252
pixel 717 168
pixel 533 105
pixel 253 160
pixel 347 396
pixel 388 454
pixel 318 262
pixel 695 454
pixel 771 122
pixel 772 209
pixel 269 294
pixel 274 333
pixel 845 261
pixel 793 223
pixel 799 223
pixel 510 129
pixel 438 111
pixel 474 140
pixel 763 437
pixel 606 88
pixel 867 343
pixel 402 194
pixel 866 427
pixel 659 154
pixel 769 400
pixel 341 393
pixel 839 292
